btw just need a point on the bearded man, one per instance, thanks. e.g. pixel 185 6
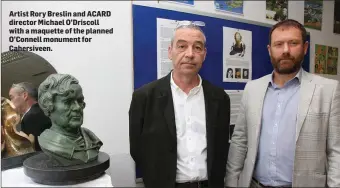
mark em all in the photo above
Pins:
pixel 287 131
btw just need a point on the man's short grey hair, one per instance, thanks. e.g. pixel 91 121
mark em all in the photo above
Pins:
pixel 27 87
pixel 53 85
pixel 191 26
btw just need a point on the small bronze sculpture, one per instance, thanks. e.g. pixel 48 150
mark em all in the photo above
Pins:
pixel 15 146
pixel 61 98
pixel 13 143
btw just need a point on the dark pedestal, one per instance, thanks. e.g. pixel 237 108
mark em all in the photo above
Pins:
pixel 40 169
pixel 14 162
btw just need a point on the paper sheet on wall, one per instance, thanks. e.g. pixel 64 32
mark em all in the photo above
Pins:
pixel 237 54
pixel 165 29
pixel 235 102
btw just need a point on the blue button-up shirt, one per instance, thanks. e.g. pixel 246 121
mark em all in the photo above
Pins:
pixel 276 150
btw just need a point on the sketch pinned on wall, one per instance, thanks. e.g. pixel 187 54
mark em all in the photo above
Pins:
pixel 232 6
pixel 277 10
pixel 237 50
pixel 313 14
pixel 336 28
pixel 326 59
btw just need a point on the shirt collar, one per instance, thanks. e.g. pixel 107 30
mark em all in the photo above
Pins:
pixel 193 90
pixel 298 77
pixel 26 112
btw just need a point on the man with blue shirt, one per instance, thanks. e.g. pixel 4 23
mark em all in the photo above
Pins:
pixel 287 133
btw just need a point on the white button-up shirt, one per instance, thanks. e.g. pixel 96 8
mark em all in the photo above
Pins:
pixel 191 133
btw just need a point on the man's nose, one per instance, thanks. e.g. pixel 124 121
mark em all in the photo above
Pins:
pixel 189 53
pixel 286 48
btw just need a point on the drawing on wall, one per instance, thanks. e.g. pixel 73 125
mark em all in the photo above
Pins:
pixel 336 28
pixel 326 59
pixel 237 50
pixel 233 6
pixel 188 2
pixel 313 14
pixel 332 60
pixel 277 10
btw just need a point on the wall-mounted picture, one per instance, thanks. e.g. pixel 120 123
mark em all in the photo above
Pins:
pixel 326 59
pixel 276 10
pixel 320 59
pixel 230 73
pixel 336 17
pixel 233 6
pixel 313 14
pixel 245 73
pixel 332 60
pixel 237 50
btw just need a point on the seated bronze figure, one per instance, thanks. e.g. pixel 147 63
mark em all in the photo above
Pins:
pixel 61 98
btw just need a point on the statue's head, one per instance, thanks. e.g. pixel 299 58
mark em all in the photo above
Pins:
pixel 61 98
pixel 238 37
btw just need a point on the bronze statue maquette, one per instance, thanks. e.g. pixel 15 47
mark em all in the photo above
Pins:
pixel 61 98
pixel 13 143
pixel 70 152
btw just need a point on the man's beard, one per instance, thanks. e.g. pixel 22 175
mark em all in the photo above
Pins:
pixel 289 70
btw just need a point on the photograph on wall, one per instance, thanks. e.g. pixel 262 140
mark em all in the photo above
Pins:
pixel 336 28
pixel 187 2
pixel 237 50
pixel 277 10
pixel 232 6
pixel 326 59
pixel 313 14
pixel 332 60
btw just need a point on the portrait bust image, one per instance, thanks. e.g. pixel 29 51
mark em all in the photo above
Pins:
pixel 61 98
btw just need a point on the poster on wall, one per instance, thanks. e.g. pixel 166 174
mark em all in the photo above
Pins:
pixel 185 2
pixel 165 29
pixel 336 28
pixel 237 50
pixel 277 10
pixel 232 6
pixel 326 59
pixel 313 14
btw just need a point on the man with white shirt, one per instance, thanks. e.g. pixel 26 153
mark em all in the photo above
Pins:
pixel 33 120
pixel 179 123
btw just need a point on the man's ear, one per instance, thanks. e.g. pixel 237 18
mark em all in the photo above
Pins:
pixel 305 47
pixel 268 47
pixel 25 95
pixel 169 51
pixel 205 53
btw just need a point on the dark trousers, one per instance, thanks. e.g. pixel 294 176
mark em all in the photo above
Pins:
pixel 200 184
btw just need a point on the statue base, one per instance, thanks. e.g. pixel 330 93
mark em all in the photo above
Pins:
pixel 40 170
pixel 16 161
